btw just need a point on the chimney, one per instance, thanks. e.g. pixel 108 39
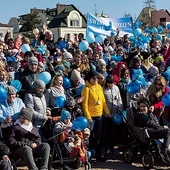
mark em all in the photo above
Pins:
pixel 60 8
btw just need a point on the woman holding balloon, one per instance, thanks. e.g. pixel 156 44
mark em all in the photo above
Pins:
pixel 94 104
pixel 55 91
pixel 155 93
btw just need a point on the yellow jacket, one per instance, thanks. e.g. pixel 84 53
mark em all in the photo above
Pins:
pixel 94 101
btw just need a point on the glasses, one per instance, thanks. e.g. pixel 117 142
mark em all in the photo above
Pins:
pixel 159 84
pixel 95 78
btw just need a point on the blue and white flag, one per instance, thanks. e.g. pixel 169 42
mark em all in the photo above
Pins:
pixel 108 26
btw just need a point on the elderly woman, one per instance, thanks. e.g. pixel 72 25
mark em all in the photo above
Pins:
pixel 10 108
pixel 25 143
pixel 54 91
pixel 94 104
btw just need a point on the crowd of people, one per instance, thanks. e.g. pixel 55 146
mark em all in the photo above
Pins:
pixel 97 90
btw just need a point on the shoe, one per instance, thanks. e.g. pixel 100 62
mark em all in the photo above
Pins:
pixel 165 157
pixel 101 158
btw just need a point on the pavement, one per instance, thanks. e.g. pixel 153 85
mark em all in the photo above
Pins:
pixel 116 162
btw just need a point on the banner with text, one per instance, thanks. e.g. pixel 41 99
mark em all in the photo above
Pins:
pixel 108 26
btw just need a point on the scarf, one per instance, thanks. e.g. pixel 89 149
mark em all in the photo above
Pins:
pixel 28 127
pixel 125 81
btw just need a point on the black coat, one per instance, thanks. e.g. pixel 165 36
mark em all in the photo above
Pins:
pixel 148 121
pixel 4 150
pixel 19 137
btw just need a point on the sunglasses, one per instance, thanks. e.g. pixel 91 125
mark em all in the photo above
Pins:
pixel 159 84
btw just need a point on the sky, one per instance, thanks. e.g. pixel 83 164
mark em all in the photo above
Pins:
pixel 114 8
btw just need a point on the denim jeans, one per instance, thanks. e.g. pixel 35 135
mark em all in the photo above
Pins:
pixel 96 134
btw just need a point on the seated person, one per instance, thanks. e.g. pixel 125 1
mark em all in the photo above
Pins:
pixel 10 108
pixel 25 143
pixel 90 152
pixel 5 163
pixel 72 140
pixel 144 118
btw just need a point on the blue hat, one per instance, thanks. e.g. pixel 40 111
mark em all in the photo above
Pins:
pixel 65 115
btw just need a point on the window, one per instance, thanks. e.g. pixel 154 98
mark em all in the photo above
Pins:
pixel 162 19
pixel 74 23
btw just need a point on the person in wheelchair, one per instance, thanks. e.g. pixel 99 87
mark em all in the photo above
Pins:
pixel 24 141
pixel 71 139
pixel 144 118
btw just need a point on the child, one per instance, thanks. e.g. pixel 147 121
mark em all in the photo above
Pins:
pixel 90 152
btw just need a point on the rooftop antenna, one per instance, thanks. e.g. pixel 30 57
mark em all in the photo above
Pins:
pixel 95 9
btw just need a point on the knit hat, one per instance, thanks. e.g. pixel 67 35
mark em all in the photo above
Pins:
pixel 38 84
pixel 145 101
pixel 91 74
pixel 101 62
pixel 70 102
pixel 11 90
pixel 65 115
pixel 27 113
pixel 153 70
pixel 68 55
pixel 110 49
pixel 75 75
pixel 33 60
pixel 135 60
pixel 86 131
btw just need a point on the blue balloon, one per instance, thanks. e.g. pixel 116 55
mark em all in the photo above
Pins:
pixel 3 94
pixel 168 26
pixel 137 32
pixel 117 119
pixel 138 24
pixel 66 83
pixel 90 37
pixel 159 37
pixel 116 58
pixel 147 30
pixel 78 91
pixel 17 84
pixel 141 80
pixel 154 30
pixel 160 29
pixel 80 123
pixel 45 77
pixel 166 99
pixel 83 46
pixel 60 102
pixel 168 35
pixel 133 87
pixel 25 48
pixel 99 39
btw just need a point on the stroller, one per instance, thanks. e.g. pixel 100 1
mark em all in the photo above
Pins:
pixel 60 154
pixel 139 142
